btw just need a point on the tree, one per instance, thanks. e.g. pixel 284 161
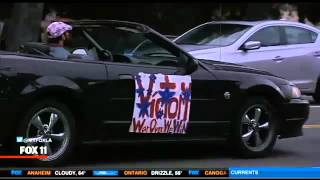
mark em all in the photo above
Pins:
pixel 24 24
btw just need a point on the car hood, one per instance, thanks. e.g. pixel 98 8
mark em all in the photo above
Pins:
pixel 237 68
pixel 218 65
pixel 190 48
pixel 201 51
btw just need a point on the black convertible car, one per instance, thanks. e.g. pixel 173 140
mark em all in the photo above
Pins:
pixel 115 87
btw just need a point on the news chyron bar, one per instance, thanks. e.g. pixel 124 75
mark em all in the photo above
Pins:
pixel 234 172
pixel 221 172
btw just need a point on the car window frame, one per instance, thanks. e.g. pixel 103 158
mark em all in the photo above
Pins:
pixel 285 36
pixel 262 28
pixel 247 35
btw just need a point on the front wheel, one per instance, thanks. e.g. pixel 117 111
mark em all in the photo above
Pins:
pixel 316 95
pixel 254 130
pixel 50 125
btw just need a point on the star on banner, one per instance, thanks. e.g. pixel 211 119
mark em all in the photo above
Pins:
pixel 166 95
pixel 186 94
pixel 144 106
pixel 140 91
pixel 159 114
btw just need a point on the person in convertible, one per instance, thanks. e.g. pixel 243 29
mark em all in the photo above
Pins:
pixel 58 35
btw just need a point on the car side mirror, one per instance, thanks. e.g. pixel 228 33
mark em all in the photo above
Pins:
pixel 192 65
pixel 80 52
pixel 186 65
pixel 251 45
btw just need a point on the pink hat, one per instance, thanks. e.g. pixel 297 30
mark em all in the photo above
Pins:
pixel 56 29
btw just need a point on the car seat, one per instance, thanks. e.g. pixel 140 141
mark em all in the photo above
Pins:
pixel 35 48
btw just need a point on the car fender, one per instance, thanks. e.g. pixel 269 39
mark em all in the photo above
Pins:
pixel 263 86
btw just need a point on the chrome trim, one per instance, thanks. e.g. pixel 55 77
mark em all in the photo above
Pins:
pixel 295 119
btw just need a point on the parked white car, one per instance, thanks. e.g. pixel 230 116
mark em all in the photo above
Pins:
pixel 287 49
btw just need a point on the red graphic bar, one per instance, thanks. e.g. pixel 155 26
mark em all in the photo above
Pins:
pixel 23 157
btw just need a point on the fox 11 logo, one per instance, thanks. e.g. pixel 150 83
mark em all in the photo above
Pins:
pixel 32 150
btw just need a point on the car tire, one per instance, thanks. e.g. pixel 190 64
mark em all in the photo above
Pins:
pixel 316 95
pixel 254 130
pixel 56 123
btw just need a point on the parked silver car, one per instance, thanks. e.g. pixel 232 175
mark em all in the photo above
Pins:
pixel 287 49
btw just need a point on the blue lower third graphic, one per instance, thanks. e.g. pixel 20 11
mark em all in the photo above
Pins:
pixel 105 173
pixel 194 172
pixel 274 172
pixel 16 172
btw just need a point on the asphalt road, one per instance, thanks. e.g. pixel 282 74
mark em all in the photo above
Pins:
pixel 297 152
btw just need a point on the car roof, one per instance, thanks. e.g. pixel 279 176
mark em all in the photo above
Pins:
pixel 88 22
pixel 249 23
pixel 261 22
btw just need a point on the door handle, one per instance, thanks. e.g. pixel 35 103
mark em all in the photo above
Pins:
pixel 278 58
pixel 125 76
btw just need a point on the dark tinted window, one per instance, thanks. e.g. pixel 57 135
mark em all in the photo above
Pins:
pixel 214 35
pixel 269 36
pixel 296 35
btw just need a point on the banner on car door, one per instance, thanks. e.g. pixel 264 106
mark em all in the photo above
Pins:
pixel 162 104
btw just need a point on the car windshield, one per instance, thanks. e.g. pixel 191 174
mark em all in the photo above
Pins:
pixel 214 35
pixel 128 45
pixel 124 41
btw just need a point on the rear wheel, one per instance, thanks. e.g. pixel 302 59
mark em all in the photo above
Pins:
pixel 49 124
pixel 254 130
pixel 316 95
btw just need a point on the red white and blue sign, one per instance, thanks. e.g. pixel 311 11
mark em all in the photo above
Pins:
pixel 162 104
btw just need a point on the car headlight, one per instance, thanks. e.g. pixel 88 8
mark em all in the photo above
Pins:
pixel 295 92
